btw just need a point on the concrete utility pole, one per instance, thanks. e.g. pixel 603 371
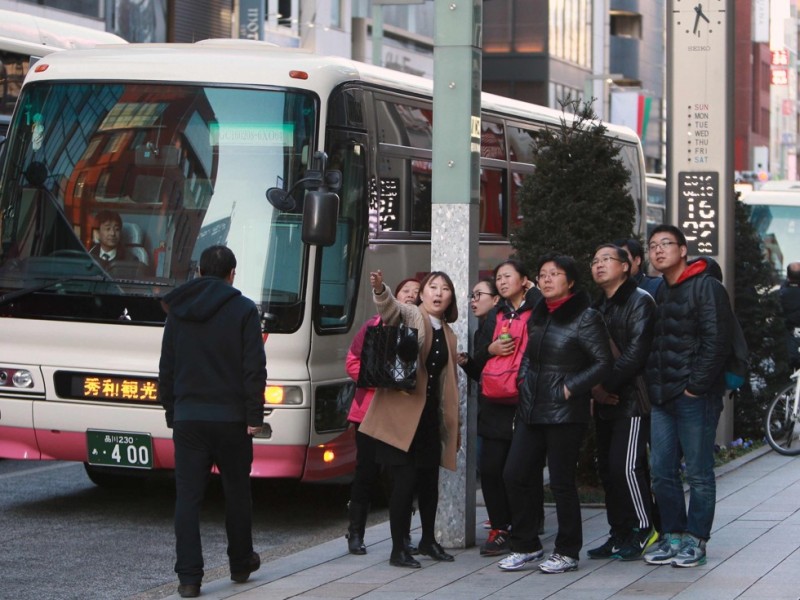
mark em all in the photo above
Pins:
pixel 454 224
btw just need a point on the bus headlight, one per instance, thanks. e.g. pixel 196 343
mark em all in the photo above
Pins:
pixel 22 378
pixel 283 395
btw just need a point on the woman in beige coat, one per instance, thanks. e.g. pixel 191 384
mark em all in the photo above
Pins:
pixel 418 431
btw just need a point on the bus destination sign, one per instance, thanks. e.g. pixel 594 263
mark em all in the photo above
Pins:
pixel 114 388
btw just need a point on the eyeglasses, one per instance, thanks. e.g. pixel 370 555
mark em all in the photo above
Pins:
pixel 477 295
pixel 550 275
pixel 663 244
pixel 603 260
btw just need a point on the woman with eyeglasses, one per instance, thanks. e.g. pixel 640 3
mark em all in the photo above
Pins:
pixel 495 342
pixel 482 300
pixel 567 354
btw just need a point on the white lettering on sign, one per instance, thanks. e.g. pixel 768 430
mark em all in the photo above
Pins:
pixel 698 197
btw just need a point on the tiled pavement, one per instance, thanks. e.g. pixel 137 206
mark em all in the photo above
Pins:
pixel 754 554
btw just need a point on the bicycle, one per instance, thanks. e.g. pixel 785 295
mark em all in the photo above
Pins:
pixel 781 421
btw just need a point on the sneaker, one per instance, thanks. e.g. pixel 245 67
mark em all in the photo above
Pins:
pixel 558 563
pixel 487 524
pixel 665 551
pixel 636 545
pixel 516 560
pixel 692 552
pixel 610 547
pixel 497 544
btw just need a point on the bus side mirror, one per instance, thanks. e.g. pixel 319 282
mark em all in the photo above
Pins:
pixel 320 215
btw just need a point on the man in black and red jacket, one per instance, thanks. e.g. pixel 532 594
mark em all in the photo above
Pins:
pixel 685 376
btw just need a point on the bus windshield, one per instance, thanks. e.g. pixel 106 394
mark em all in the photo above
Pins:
pixel 778 227
pixel 112 190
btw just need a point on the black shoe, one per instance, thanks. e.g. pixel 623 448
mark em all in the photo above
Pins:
pixel 189 590
pixel 436 552
pixel 355 544
pixel 410 547
pixel 403 559
pixel 242 576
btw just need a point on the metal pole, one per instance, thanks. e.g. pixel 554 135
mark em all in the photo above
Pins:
pixel 454 224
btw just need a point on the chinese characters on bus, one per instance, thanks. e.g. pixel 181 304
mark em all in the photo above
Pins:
pixel 118 388
pixel 698 210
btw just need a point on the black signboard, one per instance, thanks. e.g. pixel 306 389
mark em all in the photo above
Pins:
pixel 698 210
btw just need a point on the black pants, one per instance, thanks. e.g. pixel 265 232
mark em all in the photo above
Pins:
pixel 622 464
pixel 198 446
pixel 494 454
pixel 406 479
pixel 560 445
pixel 367 469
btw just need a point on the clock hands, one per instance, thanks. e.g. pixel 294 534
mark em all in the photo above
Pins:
pixel 700 15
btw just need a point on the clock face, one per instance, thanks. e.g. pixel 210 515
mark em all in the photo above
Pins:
pixel 699 18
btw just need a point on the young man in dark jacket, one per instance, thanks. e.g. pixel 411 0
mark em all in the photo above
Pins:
pixel 789 296
pixel 622 408
pixel 212 376
pixel 685 373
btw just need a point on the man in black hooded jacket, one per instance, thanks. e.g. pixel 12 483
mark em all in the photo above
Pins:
pixel 685 376
pixel 212 376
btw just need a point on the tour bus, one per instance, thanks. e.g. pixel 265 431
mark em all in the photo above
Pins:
pixel 182 141
pixel 25 38
pixel 775 213
pixel 656 202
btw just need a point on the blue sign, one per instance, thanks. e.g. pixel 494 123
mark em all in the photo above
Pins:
pixel 251 19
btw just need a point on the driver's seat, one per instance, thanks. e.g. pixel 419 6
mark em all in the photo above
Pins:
pixel 133 239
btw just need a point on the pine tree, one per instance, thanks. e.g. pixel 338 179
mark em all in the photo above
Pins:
pixel 577 198
pixel 759 314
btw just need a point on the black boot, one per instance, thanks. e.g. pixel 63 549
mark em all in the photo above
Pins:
pixel 355 531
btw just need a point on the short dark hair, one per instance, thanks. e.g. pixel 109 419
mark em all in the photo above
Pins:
pixel 402 283
pixel 622 256
pixel 681 239
pixel 489 281
pixel 793 272
pixel 514 264
pixel 104 216
pixel 451 312
pixel 217 261
pixel 567 263
pixel 634 247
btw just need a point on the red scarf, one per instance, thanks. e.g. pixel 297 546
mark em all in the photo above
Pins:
pixel 554 305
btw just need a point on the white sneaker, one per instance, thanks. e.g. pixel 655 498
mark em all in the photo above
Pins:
pixel 517 560
pixel 558 563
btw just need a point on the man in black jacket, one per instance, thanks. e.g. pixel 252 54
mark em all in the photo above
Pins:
pixel 622 408
pixel 789 295
pixel 212 376
pixel 685 376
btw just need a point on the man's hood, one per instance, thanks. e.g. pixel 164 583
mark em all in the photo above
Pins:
pixel 200 299
pixel 698 266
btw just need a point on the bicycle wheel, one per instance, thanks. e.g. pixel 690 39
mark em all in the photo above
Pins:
pixel 780 423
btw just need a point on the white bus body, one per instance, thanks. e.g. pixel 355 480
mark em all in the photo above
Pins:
pixel 25 38
pixel 182 141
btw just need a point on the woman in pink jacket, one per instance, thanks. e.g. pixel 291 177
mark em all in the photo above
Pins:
pixel 367 469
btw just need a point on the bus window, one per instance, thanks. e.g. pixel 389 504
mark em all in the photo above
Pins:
pixel 183 167
pixel 493 204
pixel 404 124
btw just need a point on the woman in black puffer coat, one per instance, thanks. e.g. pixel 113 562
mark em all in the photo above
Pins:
pixel 567 354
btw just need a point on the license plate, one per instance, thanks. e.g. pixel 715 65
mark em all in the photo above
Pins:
pixel 119 449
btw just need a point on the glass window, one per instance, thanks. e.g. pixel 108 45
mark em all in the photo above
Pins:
pixel 497 22
pixel 493 142
pixel 520 144
pixel 493 202
pixel 347 152
pixel 178 167
pixel 404 125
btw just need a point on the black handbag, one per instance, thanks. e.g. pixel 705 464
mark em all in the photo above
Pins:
pixel 389 358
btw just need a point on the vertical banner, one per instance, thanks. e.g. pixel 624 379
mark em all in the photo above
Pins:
pixel 251 19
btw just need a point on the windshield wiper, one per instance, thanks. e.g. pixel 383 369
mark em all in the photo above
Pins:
pixel 11 296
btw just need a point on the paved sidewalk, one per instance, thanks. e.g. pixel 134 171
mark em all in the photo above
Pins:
pixel 754 554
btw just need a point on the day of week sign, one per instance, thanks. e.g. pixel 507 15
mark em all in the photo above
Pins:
pixel 698 210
